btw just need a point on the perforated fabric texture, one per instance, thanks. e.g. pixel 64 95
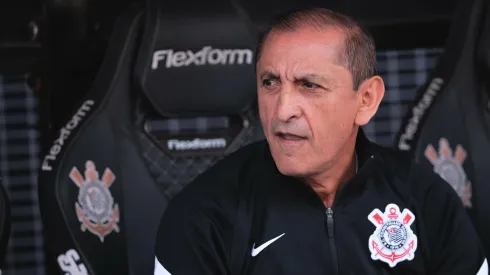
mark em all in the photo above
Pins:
pixel 19 162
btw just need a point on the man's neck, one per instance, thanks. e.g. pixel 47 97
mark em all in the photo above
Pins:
pixel 327 183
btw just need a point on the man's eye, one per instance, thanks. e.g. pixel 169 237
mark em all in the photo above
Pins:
pixel 309 85
pixel 267 82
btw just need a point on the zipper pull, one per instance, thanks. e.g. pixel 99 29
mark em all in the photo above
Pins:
pixel 330 222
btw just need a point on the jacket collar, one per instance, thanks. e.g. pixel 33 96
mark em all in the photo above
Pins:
pixel 365 149
pixel 368 154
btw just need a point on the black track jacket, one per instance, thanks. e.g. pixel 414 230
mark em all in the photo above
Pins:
pixel 243 217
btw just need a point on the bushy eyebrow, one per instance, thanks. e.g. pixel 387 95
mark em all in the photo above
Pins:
pixel 268 74
pixel 310 77
pixel 313 77
pixel 304 77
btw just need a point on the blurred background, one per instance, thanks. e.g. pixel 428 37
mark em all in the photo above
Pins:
pixel 51 50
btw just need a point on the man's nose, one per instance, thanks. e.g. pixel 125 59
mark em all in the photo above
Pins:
pixel 288 105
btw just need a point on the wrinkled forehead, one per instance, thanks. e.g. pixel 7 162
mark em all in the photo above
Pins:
pixel 304 47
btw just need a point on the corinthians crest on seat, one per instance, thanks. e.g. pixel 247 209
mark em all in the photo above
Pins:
pixel 449 165
pixel 95 207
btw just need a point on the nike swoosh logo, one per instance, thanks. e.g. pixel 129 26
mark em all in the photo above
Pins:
pixel 256 251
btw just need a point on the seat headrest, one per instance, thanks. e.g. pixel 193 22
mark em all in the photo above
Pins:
pixel 197 58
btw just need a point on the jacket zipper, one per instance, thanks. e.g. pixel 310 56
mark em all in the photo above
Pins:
pixel 331 226
pixel 331 239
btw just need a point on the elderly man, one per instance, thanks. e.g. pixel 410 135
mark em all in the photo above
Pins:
pixel 317 197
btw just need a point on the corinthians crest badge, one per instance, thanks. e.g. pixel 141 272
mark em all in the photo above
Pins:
pixel 393 241
pixel 450 167
pixel 95 207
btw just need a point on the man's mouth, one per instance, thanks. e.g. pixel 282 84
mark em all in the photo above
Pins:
pixel 289 137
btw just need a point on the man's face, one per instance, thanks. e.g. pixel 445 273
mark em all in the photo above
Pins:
pixel 306 100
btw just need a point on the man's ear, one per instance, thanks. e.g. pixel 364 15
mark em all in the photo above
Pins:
pixel 369 96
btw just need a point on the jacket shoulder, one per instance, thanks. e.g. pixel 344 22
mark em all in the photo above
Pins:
pixel 220 182
pixel 233 165
pixel 398 163
pixel 411 177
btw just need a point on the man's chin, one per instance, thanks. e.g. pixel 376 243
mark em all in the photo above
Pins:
pixel 290 163
pixel 291 168
pixel 292 172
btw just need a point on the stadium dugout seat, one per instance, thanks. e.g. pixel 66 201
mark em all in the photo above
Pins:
pixel 448 126
pixel 175 93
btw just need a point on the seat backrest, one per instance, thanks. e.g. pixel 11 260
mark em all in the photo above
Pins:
pixel 447 128
pixel 204 55
pixel 175 93
pixel 76 241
